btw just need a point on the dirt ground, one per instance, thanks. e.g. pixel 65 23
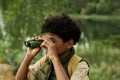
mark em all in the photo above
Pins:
pixel 7 72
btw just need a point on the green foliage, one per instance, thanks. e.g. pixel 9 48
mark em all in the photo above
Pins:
pixel 5 45
pixel 101 7
pixel 104 7
pixel 94 29
pixel 91 8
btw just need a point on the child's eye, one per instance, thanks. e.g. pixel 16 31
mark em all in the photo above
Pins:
pixel 52 39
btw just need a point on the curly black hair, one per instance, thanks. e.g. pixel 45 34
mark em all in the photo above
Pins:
pixel 63 26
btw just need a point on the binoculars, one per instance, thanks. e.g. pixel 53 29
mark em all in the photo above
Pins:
pixel 35 43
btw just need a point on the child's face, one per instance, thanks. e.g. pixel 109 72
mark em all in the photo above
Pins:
pixel 60 46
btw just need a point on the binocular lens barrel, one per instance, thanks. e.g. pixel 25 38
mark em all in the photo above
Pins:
pixel 35 43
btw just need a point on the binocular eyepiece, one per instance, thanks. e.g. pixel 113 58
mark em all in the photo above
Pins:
pixel 35 43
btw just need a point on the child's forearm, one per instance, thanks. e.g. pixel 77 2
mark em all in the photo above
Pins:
pixel 23 69
pixel 59 70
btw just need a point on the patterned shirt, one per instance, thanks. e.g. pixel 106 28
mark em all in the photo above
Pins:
pixel 80 73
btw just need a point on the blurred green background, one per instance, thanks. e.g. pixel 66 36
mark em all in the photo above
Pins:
pixel 100 26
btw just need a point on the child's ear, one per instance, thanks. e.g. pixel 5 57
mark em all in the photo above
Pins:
pixel 70 43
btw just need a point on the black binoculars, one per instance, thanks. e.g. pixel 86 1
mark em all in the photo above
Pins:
pixel 35 43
